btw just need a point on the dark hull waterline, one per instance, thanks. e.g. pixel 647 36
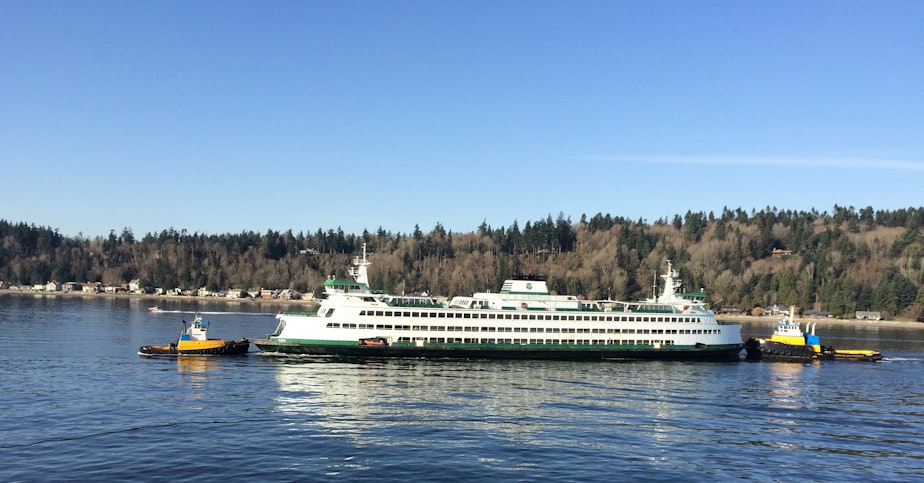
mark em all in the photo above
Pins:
pixel 720 353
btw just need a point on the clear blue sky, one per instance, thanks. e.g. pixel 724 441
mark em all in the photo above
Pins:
pixel 224 116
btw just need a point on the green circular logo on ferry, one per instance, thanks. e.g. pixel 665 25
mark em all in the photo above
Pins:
pixel 529 286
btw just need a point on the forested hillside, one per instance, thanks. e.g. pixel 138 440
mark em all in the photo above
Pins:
pixel 839 261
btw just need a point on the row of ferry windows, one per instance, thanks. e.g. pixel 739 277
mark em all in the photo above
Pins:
pixel 457 340
pixel 539 316
pixel 549 330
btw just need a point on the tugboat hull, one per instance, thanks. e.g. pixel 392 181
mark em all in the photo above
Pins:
pixel 225 348
pixel 764 350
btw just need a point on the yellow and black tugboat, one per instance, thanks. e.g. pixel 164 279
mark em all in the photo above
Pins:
pixel 194 341
pixel 789 343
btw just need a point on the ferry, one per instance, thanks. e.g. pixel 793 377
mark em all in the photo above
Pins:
pixel 194 341
pixel 523 321
pixel 789 343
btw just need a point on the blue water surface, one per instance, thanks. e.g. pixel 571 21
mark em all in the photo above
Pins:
pixel 79 404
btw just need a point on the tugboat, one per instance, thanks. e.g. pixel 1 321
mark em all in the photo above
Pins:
pixel 789 343
pixel 194 341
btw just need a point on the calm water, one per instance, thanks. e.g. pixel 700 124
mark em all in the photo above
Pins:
pixel 78 403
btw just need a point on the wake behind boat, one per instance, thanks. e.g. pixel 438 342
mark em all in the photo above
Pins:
pixel 194 341
pixel 523 321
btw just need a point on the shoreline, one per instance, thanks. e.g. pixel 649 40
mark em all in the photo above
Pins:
pixel 154 297
pixel 743 319
pixel 771 321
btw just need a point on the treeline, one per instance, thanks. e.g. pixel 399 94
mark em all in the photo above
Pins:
pixel 839 261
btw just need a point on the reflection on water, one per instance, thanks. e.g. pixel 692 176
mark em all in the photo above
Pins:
pixel 196 364
pixel 519 401
pixel 196 371
pixel 786 383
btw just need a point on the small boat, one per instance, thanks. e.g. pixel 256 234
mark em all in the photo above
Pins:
pixel 154 309
pixel 789 343
pixel 194 341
